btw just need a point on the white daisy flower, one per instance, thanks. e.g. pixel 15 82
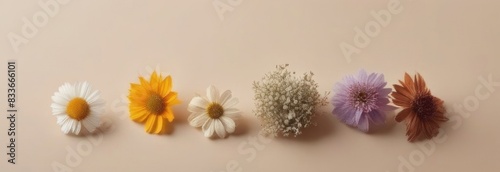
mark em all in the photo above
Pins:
pixel 77 108
pixel 214 113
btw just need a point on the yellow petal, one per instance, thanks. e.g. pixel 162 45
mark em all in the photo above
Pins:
pixel 136 89
pixel 150 125
pixel 153 76
pixel 171 99
pixel 140 116
pixel 159 124
pixel 154 81
pixel 135 86
pixel 168 114
pixel 166 86
pixel 145 83
pixel 137 101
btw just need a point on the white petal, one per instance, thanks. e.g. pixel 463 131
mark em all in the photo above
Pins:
pixel 99 103
pixel 97 108
pixel 84 90
pixel 226 95
pixel 194 115
pixel 96 111
pixel 232 113
pixel 69 124
pixel 66 126
pixel 73 126
pixel 78 127
pixel 91 123
pixel 213 94
pixel 58 106
pixel 228 124
pixel 219 128
pixel 59 100
pixel 195 109
pixel 208 128
pixel 199 102
pixel 64 96
pixel 93 97
pixel 230 103
pixel 70 90
pixel 57 109
pixel 199 120
pixel 61 119
pixel 76 89
pixel 67 90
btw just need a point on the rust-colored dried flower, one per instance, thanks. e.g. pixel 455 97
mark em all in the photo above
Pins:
pixel 422 112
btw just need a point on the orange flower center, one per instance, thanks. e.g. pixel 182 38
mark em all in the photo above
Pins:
pixel 424 106
pixel 215 110
pixel 155 104
pixel 78 109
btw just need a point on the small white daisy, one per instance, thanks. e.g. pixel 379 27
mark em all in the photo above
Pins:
pixel 215 113
pixel 77 108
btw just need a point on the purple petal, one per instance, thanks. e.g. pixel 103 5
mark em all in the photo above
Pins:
pixel 384 92
pixel 357 116
pixel 363 124
pixel 362 75
pixel 376 117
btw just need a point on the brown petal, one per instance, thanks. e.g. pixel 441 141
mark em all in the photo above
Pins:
pixel 426 130
pixel 409 83
pixel 412 129
pixel 416 84
pixel 404 91
pixel 437 101
pixel 439 118
pixel 432 124
pixel 401 103
pixel 403 114
pixel 400 96
pixel 412 136
pixel 421 83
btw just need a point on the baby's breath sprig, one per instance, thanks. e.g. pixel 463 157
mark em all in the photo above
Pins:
pixel 285 103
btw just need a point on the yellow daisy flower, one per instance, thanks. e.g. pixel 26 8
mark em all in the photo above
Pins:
pixel 151 102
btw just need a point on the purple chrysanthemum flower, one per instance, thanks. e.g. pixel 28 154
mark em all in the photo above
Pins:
pixel 361 100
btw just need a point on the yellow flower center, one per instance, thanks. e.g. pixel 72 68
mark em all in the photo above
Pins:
pixel 78 109
pixel 215 110
pixel 155 104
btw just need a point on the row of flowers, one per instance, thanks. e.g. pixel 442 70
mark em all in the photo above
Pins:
pixel 285 104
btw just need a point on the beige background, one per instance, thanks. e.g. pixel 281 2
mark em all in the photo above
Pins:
pixel 109 43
